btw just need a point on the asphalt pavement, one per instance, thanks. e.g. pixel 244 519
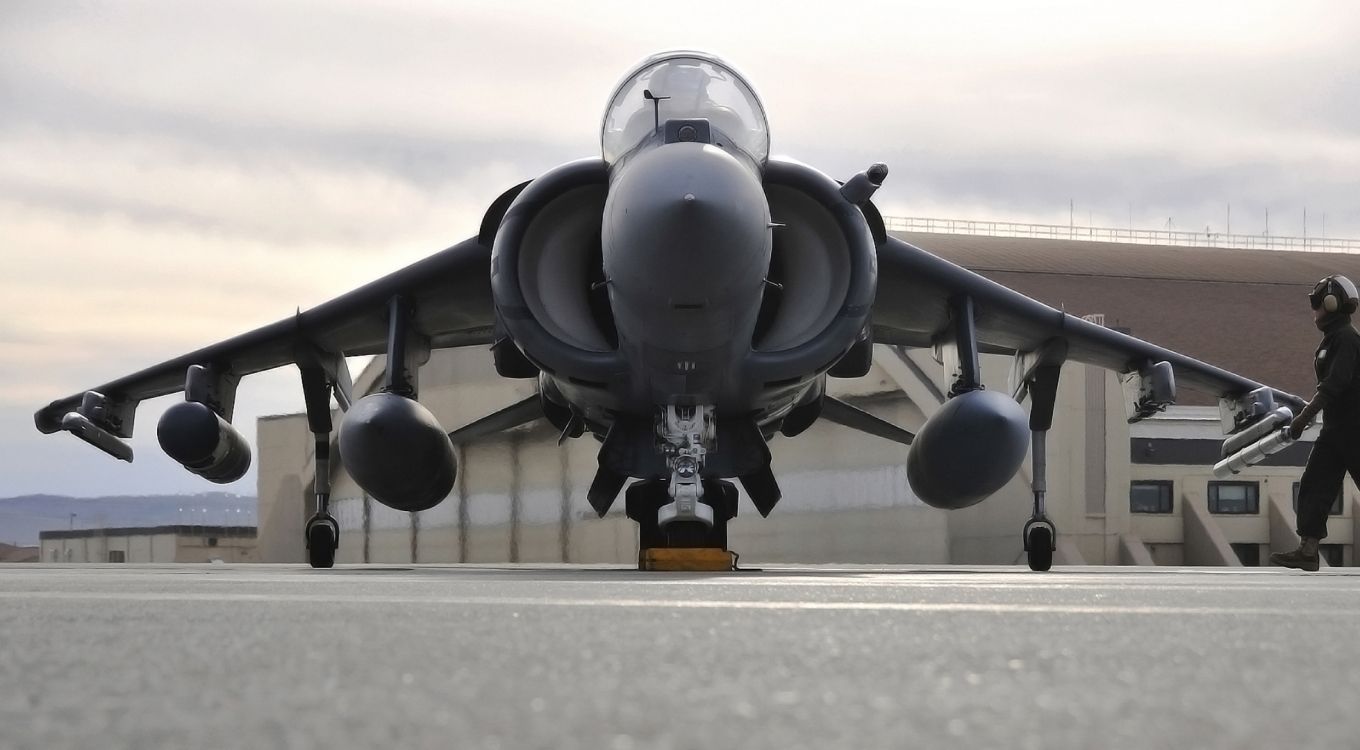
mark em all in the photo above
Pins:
pixel 568 657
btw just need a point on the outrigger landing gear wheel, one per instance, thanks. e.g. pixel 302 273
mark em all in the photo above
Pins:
pixel 1040 542
pixel 323 538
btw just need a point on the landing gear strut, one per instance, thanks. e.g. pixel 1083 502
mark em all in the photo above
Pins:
pixel 1041 382
pixel 322 530
pixel 684 436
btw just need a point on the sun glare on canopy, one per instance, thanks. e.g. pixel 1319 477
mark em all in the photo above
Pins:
pixel 687 85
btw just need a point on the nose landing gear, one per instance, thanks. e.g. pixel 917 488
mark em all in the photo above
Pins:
pixel 684 436
pixel 682 521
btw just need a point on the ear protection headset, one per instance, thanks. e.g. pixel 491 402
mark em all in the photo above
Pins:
pixel 1335 294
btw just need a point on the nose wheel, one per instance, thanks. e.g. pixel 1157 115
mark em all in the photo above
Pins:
pixel 323 538
pixel 645 498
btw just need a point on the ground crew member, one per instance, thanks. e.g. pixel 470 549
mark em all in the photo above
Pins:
pixel 1337 449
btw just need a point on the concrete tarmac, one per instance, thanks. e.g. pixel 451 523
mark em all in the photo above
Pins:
pixel 125 656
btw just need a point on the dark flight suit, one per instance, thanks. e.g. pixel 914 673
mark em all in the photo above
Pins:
pixel 1337 450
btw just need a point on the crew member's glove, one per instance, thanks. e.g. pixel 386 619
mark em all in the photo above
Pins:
pixel 1297 425
pixel 1305 417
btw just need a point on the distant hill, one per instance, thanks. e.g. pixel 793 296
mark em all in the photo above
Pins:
pixel 21 518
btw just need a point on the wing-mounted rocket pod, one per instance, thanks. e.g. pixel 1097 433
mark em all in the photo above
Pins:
pixel 1253 445
pixel 89 423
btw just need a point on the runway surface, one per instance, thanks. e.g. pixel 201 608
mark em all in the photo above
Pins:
pixel 554 657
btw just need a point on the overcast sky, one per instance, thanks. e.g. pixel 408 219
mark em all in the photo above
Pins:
pixel 174 173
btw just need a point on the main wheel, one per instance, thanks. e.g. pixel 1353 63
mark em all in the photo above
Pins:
pixel 321 545
pixel 1040 552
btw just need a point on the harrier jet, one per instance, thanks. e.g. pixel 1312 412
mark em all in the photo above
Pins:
pixel 682 297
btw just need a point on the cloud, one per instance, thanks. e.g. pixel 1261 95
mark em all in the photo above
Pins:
pixel 260 194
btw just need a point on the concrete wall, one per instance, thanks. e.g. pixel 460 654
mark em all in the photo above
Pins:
pixel 1088 471
pixel 520 497
pixel 285 446
pixel 95 549
pixel 201 549
pixel 1273 527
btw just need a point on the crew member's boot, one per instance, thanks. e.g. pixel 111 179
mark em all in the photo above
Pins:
pixel 1303 558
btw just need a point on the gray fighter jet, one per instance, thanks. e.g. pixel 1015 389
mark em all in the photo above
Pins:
pixel 682 298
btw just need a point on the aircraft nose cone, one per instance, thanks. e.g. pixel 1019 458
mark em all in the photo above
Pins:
pixel 686 244
pixel 688 221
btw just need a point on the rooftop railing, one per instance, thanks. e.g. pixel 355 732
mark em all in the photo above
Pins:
pixel 1125 236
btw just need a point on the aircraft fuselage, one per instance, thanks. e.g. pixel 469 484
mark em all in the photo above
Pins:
pixel 686 242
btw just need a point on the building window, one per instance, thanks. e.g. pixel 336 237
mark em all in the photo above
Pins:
pixel 117 555
pixel 1332 554
pixel 1249 554
pixel 1234 497
pixel 1336 506
pixel 1150 497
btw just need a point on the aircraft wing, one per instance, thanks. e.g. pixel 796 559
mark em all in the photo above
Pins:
pixel 449 294
pixel 912 309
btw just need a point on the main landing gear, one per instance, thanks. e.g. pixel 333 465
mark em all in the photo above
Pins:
pixel 323 538
pixel 322 531
pixel 1040 535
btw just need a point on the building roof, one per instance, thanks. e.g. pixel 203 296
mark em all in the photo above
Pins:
pixel 1243 310
pixel 180 530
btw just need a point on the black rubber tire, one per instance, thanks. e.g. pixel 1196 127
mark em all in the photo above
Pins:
pixel 690 534
pixel 1040 548
pixel 321 544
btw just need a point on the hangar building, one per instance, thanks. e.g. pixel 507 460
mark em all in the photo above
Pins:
pixel 1140 494
pixel 149 544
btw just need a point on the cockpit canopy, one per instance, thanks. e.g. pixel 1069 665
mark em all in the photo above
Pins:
pixel 686 85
